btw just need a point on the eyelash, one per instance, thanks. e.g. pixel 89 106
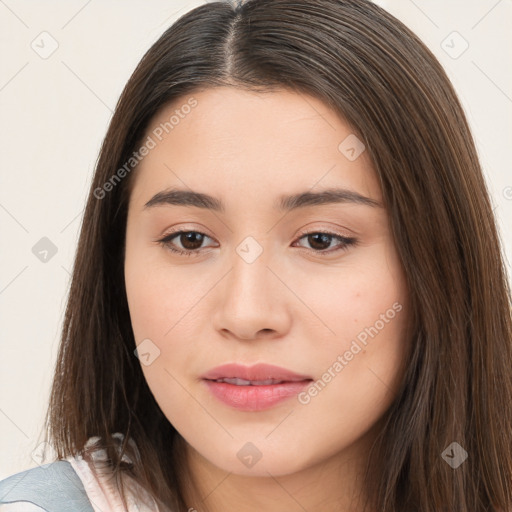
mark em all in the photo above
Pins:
pixel 346 242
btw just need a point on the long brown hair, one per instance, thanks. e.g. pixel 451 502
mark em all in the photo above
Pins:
pixel 372 70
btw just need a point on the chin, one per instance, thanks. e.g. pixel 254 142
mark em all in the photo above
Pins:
pixel 257 459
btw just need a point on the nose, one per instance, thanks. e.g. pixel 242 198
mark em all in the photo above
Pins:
pixel 251 302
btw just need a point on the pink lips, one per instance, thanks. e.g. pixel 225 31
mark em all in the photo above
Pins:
pixel 254 388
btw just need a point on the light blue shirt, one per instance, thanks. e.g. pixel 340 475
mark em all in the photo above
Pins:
pixel 51 487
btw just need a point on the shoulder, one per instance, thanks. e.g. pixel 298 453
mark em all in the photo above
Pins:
pixel 52 486
pixel 73 484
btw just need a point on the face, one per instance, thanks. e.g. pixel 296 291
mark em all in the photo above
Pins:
pixel 312 285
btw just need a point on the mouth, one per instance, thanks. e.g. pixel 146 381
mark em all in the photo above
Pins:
pixel 255 388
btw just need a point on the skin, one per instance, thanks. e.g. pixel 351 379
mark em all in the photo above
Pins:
pixel 291 307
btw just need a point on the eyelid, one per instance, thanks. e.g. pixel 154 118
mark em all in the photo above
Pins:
pixel 327 231
pixel 184 229
pixel 307 230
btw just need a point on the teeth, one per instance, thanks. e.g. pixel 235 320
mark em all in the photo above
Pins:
pixel 243 382
pixel 238 382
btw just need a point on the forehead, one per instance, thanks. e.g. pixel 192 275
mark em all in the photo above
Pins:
pixel 238 143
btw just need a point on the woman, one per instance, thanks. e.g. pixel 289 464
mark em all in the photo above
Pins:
pixel 289 292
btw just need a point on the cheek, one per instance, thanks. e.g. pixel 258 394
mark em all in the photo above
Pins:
pixel 360 299
pixel 360 351
pixel 160 296
pixel 161 302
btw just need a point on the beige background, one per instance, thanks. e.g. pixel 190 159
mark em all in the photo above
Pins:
pixel 54 112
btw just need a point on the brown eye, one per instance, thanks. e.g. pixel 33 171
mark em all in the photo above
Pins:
pixel 188 242
pixel 319 242
pixel 191 240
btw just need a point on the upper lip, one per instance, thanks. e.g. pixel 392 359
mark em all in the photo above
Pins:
pixel 257 372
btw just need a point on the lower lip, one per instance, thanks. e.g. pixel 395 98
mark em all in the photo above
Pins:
pixel 255 398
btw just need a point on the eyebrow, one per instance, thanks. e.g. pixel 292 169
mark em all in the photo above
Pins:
pixel 179 197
